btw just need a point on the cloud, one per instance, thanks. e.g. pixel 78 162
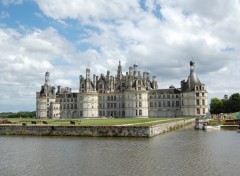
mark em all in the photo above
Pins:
pixel 161 36
pixel 24 60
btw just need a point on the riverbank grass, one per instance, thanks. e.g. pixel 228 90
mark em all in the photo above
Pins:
pixel 96 122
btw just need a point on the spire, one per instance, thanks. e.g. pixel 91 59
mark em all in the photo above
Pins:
pixel 47 78
pixel 192 66
pixel 119 71
pixel 193 79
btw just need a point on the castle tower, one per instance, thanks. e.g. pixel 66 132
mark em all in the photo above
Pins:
pixel 194 97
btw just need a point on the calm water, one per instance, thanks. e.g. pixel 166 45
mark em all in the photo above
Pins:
pixel 184 152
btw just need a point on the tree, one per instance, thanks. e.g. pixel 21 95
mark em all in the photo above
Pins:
pixel 216 106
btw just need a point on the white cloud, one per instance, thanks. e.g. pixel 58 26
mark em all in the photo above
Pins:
pixel 24 60
pixel 165 45
pixel 162 37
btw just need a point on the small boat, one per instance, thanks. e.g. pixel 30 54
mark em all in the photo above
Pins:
pixel 214 127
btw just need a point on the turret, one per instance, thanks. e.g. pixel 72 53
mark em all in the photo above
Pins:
pixel 119 72
pixel 130 71
pixel 87 74
pixel 47 78
pixel 135 72
pixel 94 81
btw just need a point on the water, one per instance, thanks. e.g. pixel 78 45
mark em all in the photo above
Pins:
pixel 183 152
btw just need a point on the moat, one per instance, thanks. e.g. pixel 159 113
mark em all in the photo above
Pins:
pixel 181 152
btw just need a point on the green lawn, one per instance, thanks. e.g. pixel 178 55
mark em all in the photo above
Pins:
pixel 97 122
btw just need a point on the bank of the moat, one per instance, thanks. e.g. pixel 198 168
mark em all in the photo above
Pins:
pixel 94 131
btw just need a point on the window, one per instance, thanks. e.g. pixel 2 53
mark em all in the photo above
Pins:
pixel 136 104
pixel 168 104
pixel 151 104
pixel 177 103
pixel 140 112
pixel 197 94
pixel 197 102
pixel 136 112
pixel 198 111
pixel 140 104
pixel 140 96
pixel 168 96
pixel 202 94
pixel 203 102
pixel 204 111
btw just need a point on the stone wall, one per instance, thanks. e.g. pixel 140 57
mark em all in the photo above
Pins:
pixel 106 131
pixel 162 128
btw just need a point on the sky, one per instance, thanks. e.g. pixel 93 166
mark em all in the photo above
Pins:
pixel 161 36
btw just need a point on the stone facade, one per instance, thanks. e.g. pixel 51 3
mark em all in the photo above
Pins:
pixel 129 95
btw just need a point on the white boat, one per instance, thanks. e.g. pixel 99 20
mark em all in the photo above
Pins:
pixel 214 127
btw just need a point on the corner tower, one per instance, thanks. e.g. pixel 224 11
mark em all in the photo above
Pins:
pixel 194 97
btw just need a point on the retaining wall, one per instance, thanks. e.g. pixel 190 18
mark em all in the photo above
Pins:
pixel 107 131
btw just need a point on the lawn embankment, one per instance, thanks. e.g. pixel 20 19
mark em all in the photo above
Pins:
pixel 95 122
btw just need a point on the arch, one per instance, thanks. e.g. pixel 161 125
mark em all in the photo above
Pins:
pixel 162 113
pixel 69 114
pixel 63 115
pixel 170 113
pixel 74 114
pixel 178 113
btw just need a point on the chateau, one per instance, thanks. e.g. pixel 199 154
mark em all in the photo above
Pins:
pixel 130 95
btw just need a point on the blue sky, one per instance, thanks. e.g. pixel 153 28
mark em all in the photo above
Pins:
pixel 161 36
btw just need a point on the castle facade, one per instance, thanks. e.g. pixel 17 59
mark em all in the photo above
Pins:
pixel 130 95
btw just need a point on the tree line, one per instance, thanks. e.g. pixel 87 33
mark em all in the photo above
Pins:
pixel 230 105
pixel 18 114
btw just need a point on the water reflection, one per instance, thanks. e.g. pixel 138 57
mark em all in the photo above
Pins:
pixel 183 152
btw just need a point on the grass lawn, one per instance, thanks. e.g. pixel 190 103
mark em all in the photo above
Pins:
pixel 98 122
